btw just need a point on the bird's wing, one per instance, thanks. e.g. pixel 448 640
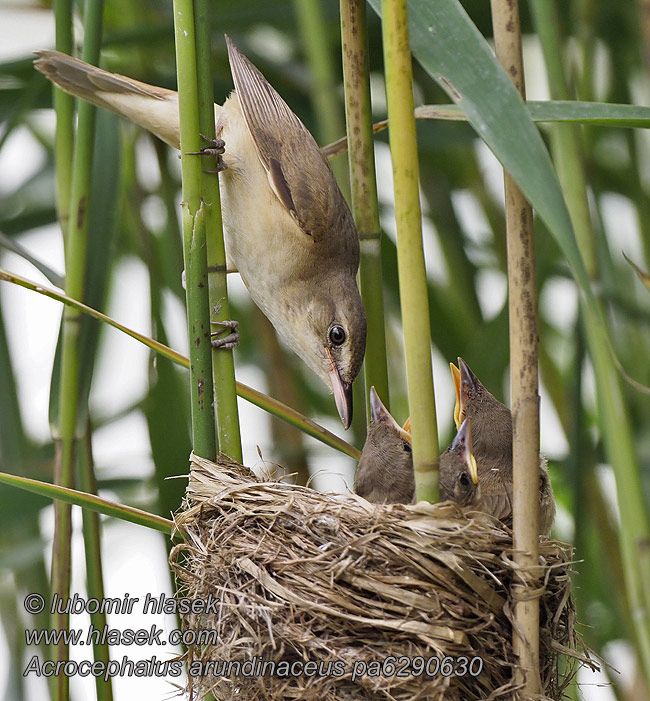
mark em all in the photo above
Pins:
pixel 155 109
pixel 297 172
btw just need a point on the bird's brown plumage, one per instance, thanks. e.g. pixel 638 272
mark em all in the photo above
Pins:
pixel 459 480
pixel 492 449
pixel 288 229
pixel 385 471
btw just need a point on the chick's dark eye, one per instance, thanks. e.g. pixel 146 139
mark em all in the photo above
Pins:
pixel 407 446
pixel 464 479
pixel 337 335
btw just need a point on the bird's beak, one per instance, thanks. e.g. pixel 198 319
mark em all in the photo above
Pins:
pixel 342 393
pixel 377 408
pixel 405 431
pixel 464 380
pixel 463 443
pixel 455 376
pixel 378 412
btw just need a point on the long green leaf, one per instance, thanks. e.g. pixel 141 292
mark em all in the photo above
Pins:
pixel 89 501
pixel 604 114
pixel 273 406
pixel 593 113
pixel 17 248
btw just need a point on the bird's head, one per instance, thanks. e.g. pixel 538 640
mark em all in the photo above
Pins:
pixel 329 334
pixel 472 397
pixel 491 420
pixel 385 432
pixel 458 469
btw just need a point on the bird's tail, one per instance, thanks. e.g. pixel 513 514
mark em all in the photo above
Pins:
pixel 155 109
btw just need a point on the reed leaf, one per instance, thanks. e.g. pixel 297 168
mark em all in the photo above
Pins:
pixel 598 114
pixel 273 406
pixel 89 501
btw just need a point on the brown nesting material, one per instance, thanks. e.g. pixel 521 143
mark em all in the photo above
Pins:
pixel 369 595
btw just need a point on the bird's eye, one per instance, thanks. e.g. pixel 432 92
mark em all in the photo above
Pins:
pixel 464 479
pixel 407 446
pixel 337 335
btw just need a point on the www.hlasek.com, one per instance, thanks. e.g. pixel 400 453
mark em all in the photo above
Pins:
pixel 390 666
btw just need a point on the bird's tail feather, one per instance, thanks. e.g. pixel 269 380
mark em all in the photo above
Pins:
pixel 154 108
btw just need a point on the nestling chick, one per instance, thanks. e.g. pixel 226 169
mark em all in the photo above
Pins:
pixel 385 471
pixel 492 448
pixel 288 229
pixel 491 420
pixel 495 494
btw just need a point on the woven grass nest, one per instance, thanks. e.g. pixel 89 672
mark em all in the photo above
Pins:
pixel 304 576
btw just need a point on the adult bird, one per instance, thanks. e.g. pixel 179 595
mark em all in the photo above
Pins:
pixel 288 229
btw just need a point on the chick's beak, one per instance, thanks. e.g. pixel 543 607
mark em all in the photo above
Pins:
pixel 377 408
pixel 455 376
pixel 463 442
pixel 378 412
pixel 342 393
pixel 470 461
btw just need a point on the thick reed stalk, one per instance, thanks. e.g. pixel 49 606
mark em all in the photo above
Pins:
pixel 194 236
pixel 365 206
pixel 223 368
pixel 75 266
pixel 522 306
pixel 613 412
pixel 414 297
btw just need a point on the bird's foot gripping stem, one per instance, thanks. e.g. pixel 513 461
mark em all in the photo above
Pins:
pixel 227 342
pixel 216 148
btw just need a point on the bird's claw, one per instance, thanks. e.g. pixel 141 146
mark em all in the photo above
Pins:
pixel 216 148
pixel 227 342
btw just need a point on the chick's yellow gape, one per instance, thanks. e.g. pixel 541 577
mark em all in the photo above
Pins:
pixel 288 229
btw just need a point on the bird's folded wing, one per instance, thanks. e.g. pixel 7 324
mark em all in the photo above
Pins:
pixel 297 171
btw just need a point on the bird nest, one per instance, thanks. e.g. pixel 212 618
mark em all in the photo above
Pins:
pixel 315 596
